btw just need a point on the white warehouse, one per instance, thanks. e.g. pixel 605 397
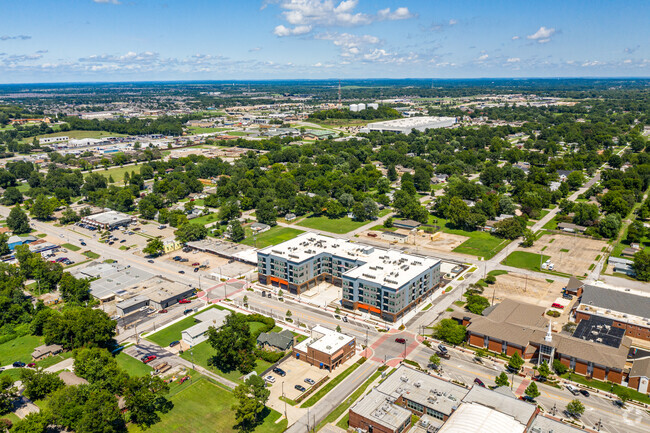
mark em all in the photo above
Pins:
pixel 406 125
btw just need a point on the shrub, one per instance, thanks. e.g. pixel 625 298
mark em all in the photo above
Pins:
pixel 269 356
pixel 553 313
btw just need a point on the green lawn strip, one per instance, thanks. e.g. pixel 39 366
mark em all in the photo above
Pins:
pixel 343 407
pixel 205 219
pixel 381 228
pixel 90 254
pixel 551 225
pixel 204 407
pixel 11 417
pixel 564 250
pixel 426 307
pixel 332 225
pixel 525 260
pixel 19 349
pixel 606 386
pixel 330 385
pixel 202 352
pixel 12 373
pixel 41 235
pixel 173 332
pixel 497 272
pixel 77 264
pixel 80 134
pixel 592 266
pixel 134 367
pixel 71 247
pixel 55 359
pixel 459 303
pixel 273 236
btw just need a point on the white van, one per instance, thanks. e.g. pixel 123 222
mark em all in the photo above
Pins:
pixel 573 390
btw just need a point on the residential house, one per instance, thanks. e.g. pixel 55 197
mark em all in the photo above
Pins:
pixel 275 341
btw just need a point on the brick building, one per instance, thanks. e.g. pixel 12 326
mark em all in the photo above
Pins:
pixel 325 348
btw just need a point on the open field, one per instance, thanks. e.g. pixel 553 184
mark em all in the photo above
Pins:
pixel 134 367
pixel 80 134
pixel 338 225
pixel 19 349
pixel 476 243
pixel 116 172
pixel 205 407
pixel 525 260
pixel 202 352
pixel 274 236
pixel 517 286
pixel 205 219
pixel 198 130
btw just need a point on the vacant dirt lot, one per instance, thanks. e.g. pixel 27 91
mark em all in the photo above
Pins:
pixel 439 241
pixel 531 290
pixel 570 254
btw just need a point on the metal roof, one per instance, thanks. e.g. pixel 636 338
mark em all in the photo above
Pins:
pixel 617 300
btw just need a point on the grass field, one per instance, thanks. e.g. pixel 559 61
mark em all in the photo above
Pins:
pixel 55 359
pixel 19 349
pixel 481 244
pixel 338 225
pixel 205 219
pixel 274 236
pixel 524 260
pixel 80 134
pixel 116 172
pixel 202 352
pixel 90 254
pixel 205 407
pixel 71 247
pixel 173 332
pixel 134 367
pixel 198 130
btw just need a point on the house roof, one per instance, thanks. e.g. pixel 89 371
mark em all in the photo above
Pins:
pixel 45 349
pixel 617 300
pixel 574 284
pixel 71 379
pixel 641 367
pixel 406 223
pixel 281 340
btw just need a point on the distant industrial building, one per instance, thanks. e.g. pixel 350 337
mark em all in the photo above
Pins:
pixel 108 220
pixel 406 125
pixel 325 348
pixel 48 140
pixel 386 283
pixel 358 107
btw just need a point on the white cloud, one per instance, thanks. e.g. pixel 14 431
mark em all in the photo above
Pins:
pixel 307 14
pixel 254 49
pixel 542 35
pixel 514 38
pixel 513 60
pixel 112 2
pixel 21 37
pixel 351 45
pixel 287 31
pixel 482 57
pixel 453 22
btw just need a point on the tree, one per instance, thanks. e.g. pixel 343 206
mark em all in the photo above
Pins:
pixel 623 393
pixel 43 208
pixel 76 327
pixel 338 328
pixel 457 212
pixel 635 232
pixel 509 228
pixel 610 225
pixel 4 246
pixel 154 248
pixel 516 362
pixel 101 413
pixel 265 211
pixel 585 213
pixel 506 205
pixel 490 279
pixel 434 360
pixel 532 391
pixel 33 423
pixel 144 398
pixel 233 345
pixel 100 368
pixel 7 394
pixel 251 397
pixel 575 408
pixel 476 304
pixel 529 238
pixel 38 383
pixel 559 367
pixel 502 379
pixel 450 331
pixel 189 232
pixel 237 233
pixel 543 369
pixel 391 173
pixel 18 221
pixel 69 216
pixel 575 179
pixel 642 265
pixel 11 196
pixel 388 223
pixel 334 209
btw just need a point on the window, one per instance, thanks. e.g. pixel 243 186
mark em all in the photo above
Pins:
pixel 434 413
pixel 414 406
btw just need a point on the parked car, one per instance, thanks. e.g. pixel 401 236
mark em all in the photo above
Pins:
pixel 151 261
pixel 181 272
pixel 310 381
pixel 527 398
pixel 263 294
pixel 584 392
pixel 300 388
pixel 345 319
pixel 270 379
pixel 195 264
pixel 573 390
pixel 83 244
pixel 164 310
pixel 184 260
pixel 196 269
pixel 122 241
pixel 184 301
pixel 188 311
pixel 174 343
pixel 18 364
pixel 279 371
pixel 400 340
pixel 479 382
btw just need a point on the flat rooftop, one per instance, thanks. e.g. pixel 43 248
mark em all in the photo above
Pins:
pixel 113 279
pixel 110 217
pixel 623 304
pixel 472 417
pixel 375 407
pixel 419 123
pixel 382 266
pixel 325 340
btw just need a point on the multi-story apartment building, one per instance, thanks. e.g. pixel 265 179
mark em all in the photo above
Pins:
pixel 386 283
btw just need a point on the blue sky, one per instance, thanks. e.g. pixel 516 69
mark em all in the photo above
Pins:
pixel 124 40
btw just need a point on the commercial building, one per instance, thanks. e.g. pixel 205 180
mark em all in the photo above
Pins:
pixel 513 326
pixel 386 283
pixel 406 125
pixel 108 220
pixel 48 140
pixel 210 318
pixel 227 250
pixel 156 293
pixel 626 309
pixel 446 408
pixel 112 280
pixel 325 348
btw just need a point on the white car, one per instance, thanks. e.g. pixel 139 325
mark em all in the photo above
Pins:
pixel 270 379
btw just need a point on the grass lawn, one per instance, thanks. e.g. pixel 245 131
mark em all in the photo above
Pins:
pixel 338 225
pixel 116 172
pixel 90 255
pixel 606 386
pixel 325 389
pixel 525 260
pixel 198 130
pixel 11 417
pixel 481 244
pixel 173 332
pixel 201 353
pixel 80 134
pixel 13 374
pixel 274 236
pixel 71 247
pixel 551 225
pixel 497 272
pixel 205 219
pixel 51 360
pixel 205 407
pixel 239 133
pixel 19 349
pixel 134 367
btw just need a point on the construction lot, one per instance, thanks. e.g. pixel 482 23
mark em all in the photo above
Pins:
pixel 571 255
pixel 439 241
pixel 516 286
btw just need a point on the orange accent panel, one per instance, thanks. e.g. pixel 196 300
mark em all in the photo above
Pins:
pixel 369 308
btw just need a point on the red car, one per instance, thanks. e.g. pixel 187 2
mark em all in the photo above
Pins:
pixel 31 365
pixel 400 340
pixel 195 264
pixel 556 305
pixel 183 379
pixel 184 301
pixel 148 359
pixel 164 310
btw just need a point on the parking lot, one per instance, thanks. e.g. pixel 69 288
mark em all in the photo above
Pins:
pixel 296 373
